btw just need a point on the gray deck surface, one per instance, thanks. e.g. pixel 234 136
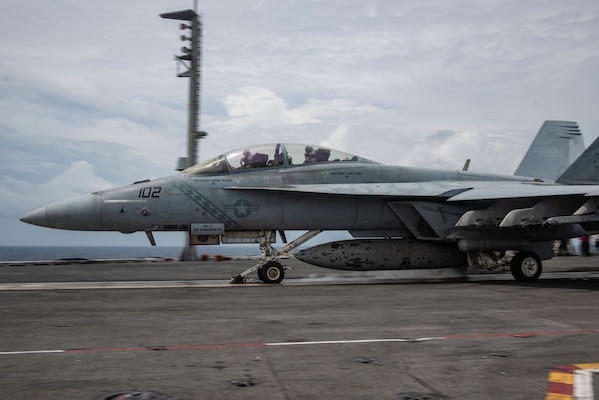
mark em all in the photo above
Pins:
pixel 180 329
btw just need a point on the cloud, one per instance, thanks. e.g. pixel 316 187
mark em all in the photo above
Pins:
pixel 260 107
pixel 338 138
pixel 255 109
pixel 19 197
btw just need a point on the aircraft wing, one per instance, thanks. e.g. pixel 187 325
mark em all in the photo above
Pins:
pixel 507 191
pixel 450 191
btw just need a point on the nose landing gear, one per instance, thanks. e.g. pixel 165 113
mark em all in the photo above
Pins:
pixel 270 270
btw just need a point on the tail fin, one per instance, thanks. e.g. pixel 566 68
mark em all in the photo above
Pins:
pixel 585 170
pixel 557 144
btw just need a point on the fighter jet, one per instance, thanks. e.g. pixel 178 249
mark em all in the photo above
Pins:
pixel 399 217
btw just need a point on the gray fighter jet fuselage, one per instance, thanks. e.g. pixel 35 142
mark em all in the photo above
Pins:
pixel 401 217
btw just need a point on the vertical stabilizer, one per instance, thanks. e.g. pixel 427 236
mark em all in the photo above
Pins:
pixel 555 147
pixel 585 170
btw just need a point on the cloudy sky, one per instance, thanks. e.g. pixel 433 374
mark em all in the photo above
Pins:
pixel 89 97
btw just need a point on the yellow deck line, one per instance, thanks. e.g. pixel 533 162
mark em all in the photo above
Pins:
pixel 561 377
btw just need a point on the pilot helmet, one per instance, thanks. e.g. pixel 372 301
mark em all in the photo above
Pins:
pixel 309 149
pixel 246 152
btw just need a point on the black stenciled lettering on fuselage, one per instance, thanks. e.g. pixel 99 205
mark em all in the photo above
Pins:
pixel 149 192
pixel 205 204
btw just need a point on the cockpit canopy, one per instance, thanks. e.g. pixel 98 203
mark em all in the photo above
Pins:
pixel 271 155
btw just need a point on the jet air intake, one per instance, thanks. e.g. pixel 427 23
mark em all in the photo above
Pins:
pixel 383 254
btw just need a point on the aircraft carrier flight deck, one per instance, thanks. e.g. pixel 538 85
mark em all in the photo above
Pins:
pixel 180 330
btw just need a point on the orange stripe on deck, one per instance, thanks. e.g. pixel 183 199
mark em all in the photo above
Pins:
pixel 587 366
pixel 560 377
pixel 553 396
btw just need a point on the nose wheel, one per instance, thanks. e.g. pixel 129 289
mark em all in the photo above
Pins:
pixel 271 272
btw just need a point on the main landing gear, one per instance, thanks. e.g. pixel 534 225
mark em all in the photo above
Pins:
pixel 526 266
pixel 270 270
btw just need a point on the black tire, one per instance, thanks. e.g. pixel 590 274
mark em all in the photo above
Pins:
pixel 260 273
pixel 526 266
pixel 271 272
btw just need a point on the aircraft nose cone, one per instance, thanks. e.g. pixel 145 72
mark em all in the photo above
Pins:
pixel 37 217
pixel 79 213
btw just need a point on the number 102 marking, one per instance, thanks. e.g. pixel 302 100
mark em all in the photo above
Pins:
pixel 147 192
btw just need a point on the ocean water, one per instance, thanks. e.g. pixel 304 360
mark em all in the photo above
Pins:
pixel 50 253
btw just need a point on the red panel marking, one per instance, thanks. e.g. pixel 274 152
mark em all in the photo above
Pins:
pixel 560 388
pixel 566 368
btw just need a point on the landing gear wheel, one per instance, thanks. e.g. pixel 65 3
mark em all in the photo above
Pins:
pixel 271 272
pixel 526 266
